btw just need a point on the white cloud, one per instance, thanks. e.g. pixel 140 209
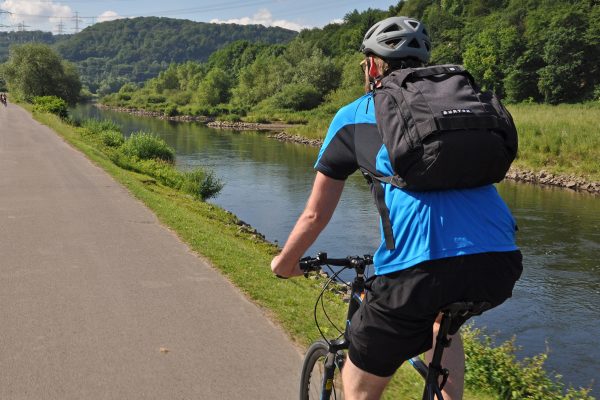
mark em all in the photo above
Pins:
pixel 108 16
pixel 262 17
pixel 35 13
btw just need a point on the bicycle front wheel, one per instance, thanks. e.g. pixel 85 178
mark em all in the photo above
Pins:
pixel 313 380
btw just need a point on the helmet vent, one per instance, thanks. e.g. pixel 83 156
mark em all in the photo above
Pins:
pixel 392 44
pixel 414 24
pixel 391 28
pixel 414 44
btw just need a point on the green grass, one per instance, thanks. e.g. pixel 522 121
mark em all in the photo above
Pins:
pixel 244 259
pixel 563 139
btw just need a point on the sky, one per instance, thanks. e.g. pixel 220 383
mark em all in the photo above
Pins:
pixel 70 16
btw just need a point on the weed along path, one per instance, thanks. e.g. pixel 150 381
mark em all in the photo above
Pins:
pixel 99 300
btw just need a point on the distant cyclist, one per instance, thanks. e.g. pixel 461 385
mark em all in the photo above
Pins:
pixel 449 245
pixel 3 99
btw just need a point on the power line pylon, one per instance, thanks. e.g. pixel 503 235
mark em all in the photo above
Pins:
pixel 21 26
pixel 77 20
pixel 60 27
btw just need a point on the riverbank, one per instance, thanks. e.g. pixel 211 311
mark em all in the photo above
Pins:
pixel 519 172
pixel 209 121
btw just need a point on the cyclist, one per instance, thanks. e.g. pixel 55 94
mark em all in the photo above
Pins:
pixel 451 245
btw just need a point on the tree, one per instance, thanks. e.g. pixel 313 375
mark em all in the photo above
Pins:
pixel 563 77
pixel 36 70
pixel 214 88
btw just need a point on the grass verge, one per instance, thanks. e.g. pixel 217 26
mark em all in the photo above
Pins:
pixel 562 139
pixel 243 257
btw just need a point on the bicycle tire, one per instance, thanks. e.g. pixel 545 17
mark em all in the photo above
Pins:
pixel 313 371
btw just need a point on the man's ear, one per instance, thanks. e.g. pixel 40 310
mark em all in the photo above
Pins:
pixel 373 70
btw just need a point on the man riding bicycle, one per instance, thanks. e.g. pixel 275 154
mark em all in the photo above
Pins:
pixel 449 245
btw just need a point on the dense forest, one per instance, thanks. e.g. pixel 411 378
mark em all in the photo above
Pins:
pixel 525 50
pixel 134 50
pixel 109 54
pixel 8 39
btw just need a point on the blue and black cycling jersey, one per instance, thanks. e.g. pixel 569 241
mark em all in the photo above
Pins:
pixel 426 225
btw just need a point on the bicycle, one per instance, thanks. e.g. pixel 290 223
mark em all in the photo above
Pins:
pixel 325 358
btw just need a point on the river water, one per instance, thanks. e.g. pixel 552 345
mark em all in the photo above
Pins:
pixel 556 304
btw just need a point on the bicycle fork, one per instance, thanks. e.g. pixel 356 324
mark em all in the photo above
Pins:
pixel 328 378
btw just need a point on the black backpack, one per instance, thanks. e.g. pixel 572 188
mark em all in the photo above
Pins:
pixel 441 132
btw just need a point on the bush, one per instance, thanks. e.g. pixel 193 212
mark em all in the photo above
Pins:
pixel 258 118
pixel 201 184
pixel 112 138
pixel 181 98
pixel 171 110
pixel 496 369
pixel 230 118
pixel 146 146
pixel 156 99
pixel 96 126
pixel 596 93
pixel 51 104
pixel 129 87
pixel 297 97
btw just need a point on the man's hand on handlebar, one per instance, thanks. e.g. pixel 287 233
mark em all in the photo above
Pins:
pixel 283 269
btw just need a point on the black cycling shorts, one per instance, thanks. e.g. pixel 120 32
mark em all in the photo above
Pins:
pixel 395 322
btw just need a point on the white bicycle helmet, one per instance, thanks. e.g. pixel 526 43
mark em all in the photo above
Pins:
pixel 396 38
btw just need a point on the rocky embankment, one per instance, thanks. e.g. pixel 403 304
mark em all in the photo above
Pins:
pixel 247 126
pixel 541 177
pixel 284 137
pixel 156 114
pixel 546 178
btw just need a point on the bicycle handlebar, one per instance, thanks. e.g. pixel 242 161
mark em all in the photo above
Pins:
pixel 308 264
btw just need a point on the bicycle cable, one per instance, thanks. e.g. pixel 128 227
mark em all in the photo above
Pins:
pixel 331 279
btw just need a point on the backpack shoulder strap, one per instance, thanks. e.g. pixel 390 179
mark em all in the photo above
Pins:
pixel 379 196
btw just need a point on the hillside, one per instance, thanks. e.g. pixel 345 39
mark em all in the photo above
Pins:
pixel 135 50
pixel 7 39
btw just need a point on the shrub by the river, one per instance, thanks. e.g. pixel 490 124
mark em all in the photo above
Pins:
pixel 51 104
pixel 146 146
pixel 95 126
pixel 201 184
pixel 149 155
pixel 112 138
pixel 495 369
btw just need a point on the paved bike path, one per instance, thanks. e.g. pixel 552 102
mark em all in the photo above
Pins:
pixel 98 300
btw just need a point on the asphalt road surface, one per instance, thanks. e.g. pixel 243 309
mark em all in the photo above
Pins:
pixel 98 300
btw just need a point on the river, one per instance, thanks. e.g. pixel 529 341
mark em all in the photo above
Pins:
pixel 556 304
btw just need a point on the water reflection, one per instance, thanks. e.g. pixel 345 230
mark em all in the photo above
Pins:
pixel 555 304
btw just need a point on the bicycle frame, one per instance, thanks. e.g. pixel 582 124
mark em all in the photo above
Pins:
pixel 333 360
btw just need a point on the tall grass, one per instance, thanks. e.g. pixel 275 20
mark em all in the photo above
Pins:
pixel 559 139
pixel 97 126
pixel 562 139
pixel 148 154
pixel 147 146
